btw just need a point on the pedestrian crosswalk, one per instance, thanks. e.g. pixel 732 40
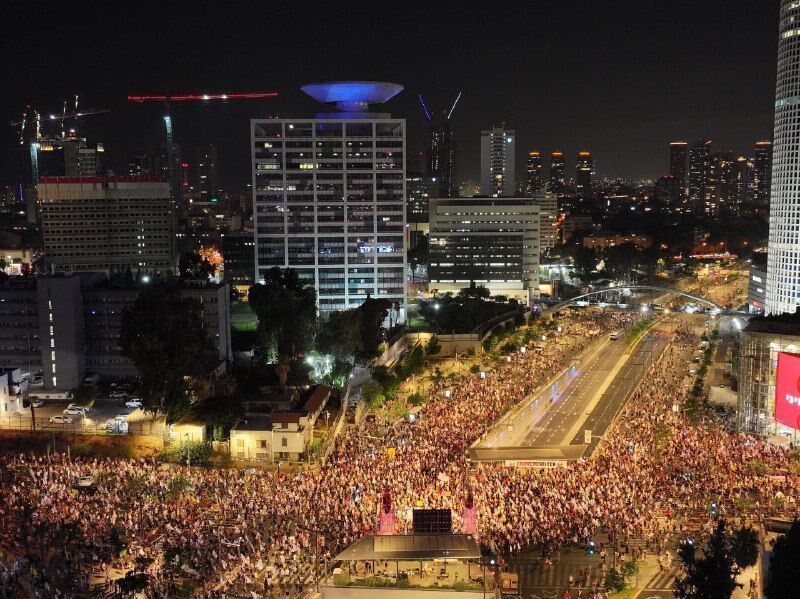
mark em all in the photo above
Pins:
pixel 557 576
pixel 664 580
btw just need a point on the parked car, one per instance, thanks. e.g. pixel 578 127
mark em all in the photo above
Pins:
pixel 134 403
pixel 77 407
pixel 73 412
pixel 37 403
pixel 60 420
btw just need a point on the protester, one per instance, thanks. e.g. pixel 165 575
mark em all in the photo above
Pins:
pixel 273 531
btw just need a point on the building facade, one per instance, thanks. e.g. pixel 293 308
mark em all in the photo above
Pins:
pixel 548 219
pixel 533 166
pixel 498 172
pixel 601 241
pixel 762 175
pixel 558 178
pixel 67 325
pixel 329 197
pixel 757 283
pixel 783 248
pixel 207 178
pixel 104 223
pixel 699 173
pixel 441 159
pixel 238 250
pixel 584 172
pixel 492 242
pixel 677 163
pixel 759 344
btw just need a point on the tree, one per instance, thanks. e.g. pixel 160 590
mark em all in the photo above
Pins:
pixel 373 313
pixel 620 259
pixel 193 266
pixel 433 347
pixel 585 260
pixel 372 394
pixel 287 318
pixel 711 575
pixel 221 413
pixel 615 581
pixel 745 546
pixel 85 395
pixel 340 335
pixel 475 291
pixel 783 579
pixel 165 337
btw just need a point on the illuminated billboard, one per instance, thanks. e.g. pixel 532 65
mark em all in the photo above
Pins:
pixel 787 390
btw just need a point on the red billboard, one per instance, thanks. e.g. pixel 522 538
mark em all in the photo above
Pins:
pixel 787 390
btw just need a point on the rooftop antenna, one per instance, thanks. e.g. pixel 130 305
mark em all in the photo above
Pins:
pixel 449 114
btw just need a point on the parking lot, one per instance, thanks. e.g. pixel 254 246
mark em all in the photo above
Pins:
pixel 95 421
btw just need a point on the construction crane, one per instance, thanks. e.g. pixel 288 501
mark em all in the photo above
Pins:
pixel 39 138
pixel 32 117
pixel 167 99
pixel 446 114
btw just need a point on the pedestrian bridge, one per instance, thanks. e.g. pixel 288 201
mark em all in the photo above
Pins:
pixel 549 312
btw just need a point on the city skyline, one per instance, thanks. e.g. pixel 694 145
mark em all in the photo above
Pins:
pixel 623 92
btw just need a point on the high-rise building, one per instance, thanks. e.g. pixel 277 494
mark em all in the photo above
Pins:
pixel 497 162
pixel 699 173
pixel 80 160
pixel 783 255
pixel 207 168
pixel 677 162
pixel 548 219
pixel 669 191
pixel 762 175
pixel 492 242
pixel 418 189
pixel 104 223
pixel 238 255
pixel 557 172
pixel 533 166
pixel 148 165
pixel 441 159
pixel 584 172
pixel 329 196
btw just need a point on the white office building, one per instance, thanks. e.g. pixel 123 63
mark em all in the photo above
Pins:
pixel 783 256
pixel 493 242
pixel 497 162
pixel 329 196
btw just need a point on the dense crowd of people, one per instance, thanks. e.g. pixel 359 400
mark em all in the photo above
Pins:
pixel 272 531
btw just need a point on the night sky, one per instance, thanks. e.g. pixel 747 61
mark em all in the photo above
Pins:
pixel 621 78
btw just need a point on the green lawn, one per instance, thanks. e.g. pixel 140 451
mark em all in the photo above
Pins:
pixel 241 308
pixel 251 325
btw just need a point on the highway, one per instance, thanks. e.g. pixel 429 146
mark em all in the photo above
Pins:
pixel 587 395
pixel 613 399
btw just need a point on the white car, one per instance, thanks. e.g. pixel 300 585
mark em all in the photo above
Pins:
pixel 37 403
pixel 134 403
pixel 73 412
pixel 60 420
pixel 77 407
pixel 117 395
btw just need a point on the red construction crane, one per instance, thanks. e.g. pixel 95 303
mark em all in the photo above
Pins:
pixel 167 99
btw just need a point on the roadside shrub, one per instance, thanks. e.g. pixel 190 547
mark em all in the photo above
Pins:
pixel 201 453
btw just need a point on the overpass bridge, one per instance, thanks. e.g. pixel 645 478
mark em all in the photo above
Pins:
pixel 721 310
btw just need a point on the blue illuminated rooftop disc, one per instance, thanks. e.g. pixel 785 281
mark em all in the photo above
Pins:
pixel 353 96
